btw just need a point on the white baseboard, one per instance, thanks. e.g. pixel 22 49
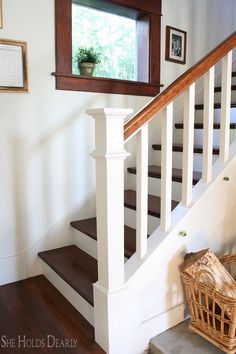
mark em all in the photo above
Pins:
pixel 85 243
pixel 12 269
pixel 27 264
pixel 160 323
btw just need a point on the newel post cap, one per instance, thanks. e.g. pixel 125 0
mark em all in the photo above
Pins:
pixel 101 112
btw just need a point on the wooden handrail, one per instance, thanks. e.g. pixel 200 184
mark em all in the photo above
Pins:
pixel 178 86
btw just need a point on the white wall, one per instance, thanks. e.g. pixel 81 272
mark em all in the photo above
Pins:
pixel 207 23
pixel 46 176
pixel 201 22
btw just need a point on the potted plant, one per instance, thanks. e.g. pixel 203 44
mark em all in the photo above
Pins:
pixel 87 58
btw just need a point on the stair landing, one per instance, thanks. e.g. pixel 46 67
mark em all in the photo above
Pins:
pixel 178 340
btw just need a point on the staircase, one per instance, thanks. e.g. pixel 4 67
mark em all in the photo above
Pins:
pixel 99 254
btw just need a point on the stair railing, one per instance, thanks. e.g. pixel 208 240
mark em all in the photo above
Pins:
pixel 111 134
pixel 110 148
pixel 163 104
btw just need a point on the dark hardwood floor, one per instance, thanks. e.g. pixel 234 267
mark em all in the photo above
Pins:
pixel 36 318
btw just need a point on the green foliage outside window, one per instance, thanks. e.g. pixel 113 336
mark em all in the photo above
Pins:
pixel 110 35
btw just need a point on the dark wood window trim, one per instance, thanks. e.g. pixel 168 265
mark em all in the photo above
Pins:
pixel 148 14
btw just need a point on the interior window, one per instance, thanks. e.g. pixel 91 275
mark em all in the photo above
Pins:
pixel 113 36
pixel 127 35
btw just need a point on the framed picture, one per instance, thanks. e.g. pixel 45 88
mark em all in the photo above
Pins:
pixel 1 20
pixel 176 41
pixel 13 66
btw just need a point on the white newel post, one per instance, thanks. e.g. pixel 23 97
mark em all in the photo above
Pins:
pixel 110 155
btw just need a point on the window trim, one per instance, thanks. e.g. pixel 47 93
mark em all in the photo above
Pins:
pixel 65 80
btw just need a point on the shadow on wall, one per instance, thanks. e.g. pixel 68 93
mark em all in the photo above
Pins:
pixel 229 247
pixel 175 290
pixel 53 182
pixel 19 165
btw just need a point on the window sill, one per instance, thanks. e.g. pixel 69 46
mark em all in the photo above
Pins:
pixel 104 85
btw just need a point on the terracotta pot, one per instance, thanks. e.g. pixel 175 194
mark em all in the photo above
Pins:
pixel 86 69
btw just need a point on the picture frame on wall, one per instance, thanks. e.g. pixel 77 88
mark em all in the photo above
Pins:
pixel 1 18
pixel 13 66
pixel 176 42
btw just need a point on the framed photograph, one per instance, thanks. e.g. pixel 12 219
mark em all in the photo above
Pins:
pixel 1 20
pixel 13 66
pixel 176 41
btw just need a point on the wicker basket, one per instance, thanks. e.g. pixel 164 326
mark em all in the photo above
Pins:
pixel 208 313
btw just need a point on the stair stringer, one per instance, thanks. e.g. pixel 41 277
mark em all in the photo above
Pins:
pixel 155 300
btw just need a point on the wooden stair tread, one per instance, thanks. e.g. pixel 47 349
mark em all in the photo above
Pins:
pixel 216 106
pixel 75 267
pixel 198 149
pixel 200 126
pixel 89 227
pixel 154 203
pixel 219 88
pixel 86 226
pixel 155 172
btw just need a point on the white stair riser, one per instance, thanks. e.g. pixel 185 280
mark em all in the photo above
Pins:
pixel 218 96
pixel 217 115
pixel 198 136
pixel 81 305
pixel 87 244
pixel 178 160
pixel 130 220
pixel 154 187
